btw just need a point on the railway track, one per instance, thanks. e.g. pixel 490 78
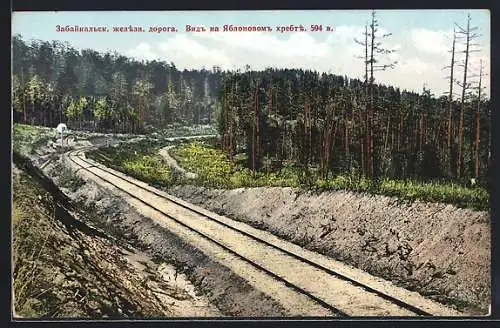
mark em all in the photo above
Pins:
pixel 309 284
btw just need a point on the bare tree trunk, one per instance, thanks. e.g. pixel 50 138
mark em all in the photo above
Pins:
pixel 362 140
pixel 255 138
pixel 425 129
pixel 346 138
pixel 24 96
pixel 310 135
pixel 370 107
pixel 450 105
pixel 387 134
pixel 230 122
pixel 420 135
pixel 478 125
pixel 469 37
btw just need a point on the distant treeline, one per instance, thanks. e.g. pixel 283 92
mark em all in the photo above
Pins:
pixel 53 82
pixel 319 121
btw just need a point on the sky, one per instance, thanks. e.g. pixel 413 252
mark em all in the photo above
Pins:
pixel 421 40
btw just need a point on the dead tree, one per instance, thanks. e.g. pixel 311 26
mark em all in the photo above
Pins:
pixel 450 104
pixel 469 35
pixel 373 48
pixel 256 130
pixel 363 118
pixel 478 123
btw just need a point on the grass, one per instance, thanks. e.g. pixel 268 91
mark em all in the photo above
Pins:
pixel 215 170
pixel 149 168
pixel 477 198
pixel 434 192
pixel 140 160
pixel 211 165
pixel 28 247
pixel 176 130
pixel 26 138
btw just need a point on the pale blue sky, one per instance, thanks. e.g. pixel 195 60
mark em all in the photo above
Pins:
pixel 420 35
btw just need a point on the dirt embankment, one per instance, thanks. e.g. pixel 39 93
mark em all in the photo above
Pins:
pixel 63 268
pixel 441 251
pixel 438 250
pixel 229 293
pixel 225 293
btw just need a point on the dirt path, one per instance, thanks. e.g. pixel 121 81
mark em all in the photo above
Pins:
pixel 173 163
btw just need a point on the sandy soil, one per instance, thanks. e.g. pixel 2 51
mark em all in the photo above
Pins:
pixel 223 288
pixel 441 251
pixel 438 250
pixel 343 295
pixel 81 273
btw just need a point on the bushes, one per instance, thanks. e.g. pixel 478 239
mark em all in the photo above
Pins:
pixel 138 160
pixel 211 165
pixel 177 130
pixel 214 169
pixel 148 168
pixel 26 138
pixel 217 171
pixel 477 198
pixel 442 192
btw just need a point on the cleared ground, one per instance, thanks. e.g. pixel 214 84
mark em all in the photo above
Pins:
pixel 436 249
pixel 332 290
pixel 63 268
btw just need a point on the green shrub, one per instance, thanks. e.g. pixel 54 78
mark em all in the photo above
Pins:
pixel 26 138
pixel 149 168
pixel 214 169
pixel 139 159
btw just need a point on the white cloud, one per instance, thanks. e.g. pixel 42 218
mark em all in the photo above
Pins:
pixel 299 44
pixel 188 53
pixel 345 34
pixel 302 44
pixel 143 51
pixel 395 55
pixel 414 66
pixel 183 51
pixel 432 42
pixel 420 53
pixel 257 41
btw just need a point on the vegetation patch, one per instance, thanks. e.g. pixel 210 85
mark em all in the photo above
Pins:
pixel 148 168
pixel 215 170
pixel 139 159
pixel 178 130
pixel 67 179
pixel 26 138
pixel 33 296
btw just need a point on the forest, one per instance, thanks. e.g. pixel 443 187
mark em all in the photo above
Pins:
pixel 322 123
